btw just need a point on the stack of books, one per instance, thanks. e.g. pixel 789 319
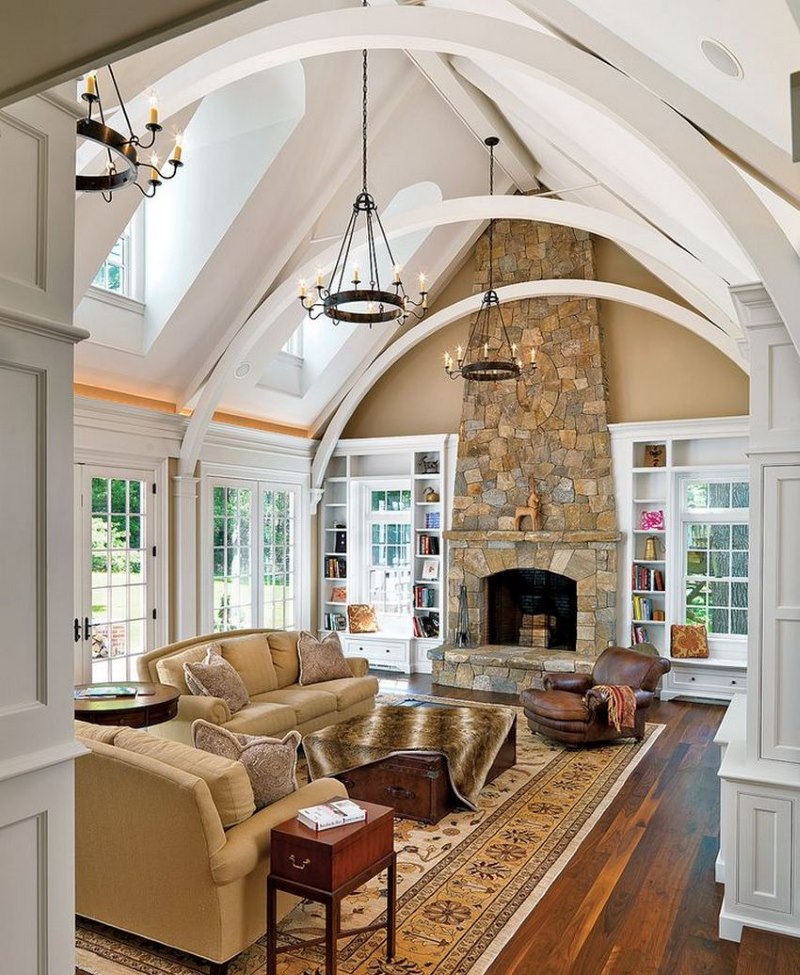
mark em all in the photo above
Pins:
pixel 330 814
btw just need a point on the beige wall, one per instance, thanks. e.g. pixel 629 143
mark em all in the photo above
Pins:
pixel 656 370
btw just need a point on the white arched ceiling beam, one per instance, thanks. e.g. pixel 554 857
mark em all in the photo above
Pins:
pixel 567 288
pixel 581 74
pixel 755 152
pixel 472 209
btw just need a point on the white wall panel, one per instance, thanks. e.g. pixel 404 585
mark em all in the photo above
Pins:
pixel 37 202
pixel 780 649
pixel 22 578
pixel 765 865
pixel 784 388
pixel 23 894
pixel 23 154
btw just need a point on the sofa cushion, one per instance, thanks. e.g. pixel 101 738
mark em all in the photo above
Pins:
pixel 350 691
pixel 283 647
pixel 307 702
pixel 251 657
pixel 227 781
pixel 320 660
pixel 263 718
pixel 215 677
pixel 270 763
pixel 170 668
pixel 97 732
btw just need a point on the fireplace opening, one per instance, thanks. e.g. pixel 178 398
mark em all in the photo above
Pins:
pixel 530 607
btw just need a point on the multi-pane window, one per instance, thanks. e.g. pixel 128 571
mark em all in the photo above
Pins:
pixel 255 552
pixel 114 274
pixel 716 542
pixel 233 584
pixel 279 559
pixel 118 592
pixel 294 344
pixel 389 559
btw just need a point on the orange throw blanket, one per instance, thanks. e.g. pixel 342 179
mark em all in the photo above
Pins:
pixel 621 704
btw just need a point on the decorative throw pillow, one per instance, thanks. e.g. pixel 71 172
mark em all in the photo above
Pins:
pixel 361 618
pixel 269 762
pixel 689 640
pixel 321 659
pixel 215 677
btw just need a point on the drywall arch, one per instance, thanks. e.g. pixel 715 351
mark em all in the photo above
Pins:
pixel 567 288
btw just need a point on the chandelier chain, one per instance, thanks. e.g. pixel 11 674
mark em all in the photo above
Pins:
pixel 120 102
pixel 364 121
pixel 491 221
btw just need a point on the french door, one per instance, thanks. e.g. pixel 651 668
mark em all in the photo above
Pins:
pixel 115 611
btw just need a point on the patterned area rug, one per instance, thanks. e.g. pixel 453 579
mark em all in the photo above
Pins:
pixel 464 885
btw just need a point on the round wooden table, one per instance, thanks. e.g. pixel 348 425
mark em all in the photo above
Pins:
pixel 153 704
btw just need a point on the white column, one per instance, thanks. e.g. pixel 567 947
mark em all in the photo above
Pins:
pixel 37 745
pixel 184 490
pixel 760 771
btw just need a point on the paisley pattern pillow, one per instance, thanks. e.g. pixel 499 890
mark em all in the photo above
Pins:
pixel 321 659
pixel 270 763
pixel 215 677
pixel 689 640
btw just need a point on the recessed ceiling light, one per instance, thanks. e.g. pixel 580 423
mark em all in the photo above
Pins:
pixel 241 370
pixel 721 58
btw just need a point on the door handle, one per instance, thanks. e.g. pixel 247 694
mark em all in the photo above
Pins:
pixel 76 630
pixel 86 628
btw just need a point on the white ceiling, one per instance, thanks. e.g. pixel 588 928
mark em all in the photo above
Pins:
pixel 273 163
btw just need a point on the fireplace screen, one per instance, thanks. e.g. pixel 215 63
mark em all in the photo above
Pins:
pixel 530 608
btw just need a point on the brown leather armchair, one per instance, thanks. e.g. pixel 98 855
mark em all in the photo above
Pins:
pixel 569 711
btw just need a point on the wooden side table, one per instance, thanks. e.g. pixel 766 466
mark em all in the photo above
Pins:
pixel 153 704
pixel 326 866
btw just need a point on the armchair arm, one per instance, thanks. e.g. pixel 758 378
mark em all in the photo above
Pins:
pixel 577 683
pixel 359 666
pixel 247 843
pixel 211 709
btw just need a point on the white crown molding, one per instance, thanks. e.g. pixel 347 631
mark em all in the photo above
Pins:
pixel 43 326
pixel 723 426
pixel 229 435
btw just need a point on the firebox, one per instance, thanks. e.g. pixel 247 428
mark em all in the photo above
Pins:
pixel 530 607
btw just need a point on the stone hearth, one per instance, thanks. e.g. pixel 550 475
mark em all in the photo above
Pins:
pixel 508 670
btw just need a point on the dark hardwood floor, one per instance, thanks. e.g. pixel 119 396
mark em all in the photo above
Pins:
pixel 639 897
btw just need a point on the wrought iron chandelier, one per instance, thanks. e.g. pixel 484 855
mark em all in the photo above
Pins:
pixel 363 300
pixel 122 166
pixel 483 360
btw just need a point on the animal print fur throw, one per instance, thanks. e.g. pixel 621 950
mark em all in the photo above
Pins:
pixel 468 737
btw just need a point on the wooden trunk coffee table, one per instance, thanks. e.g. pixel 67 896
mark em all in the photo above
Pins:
pixel 418 786
pixel 326 866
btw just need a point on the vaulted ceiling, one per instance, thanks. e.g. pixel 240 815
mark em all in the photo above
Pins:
pixel 269 100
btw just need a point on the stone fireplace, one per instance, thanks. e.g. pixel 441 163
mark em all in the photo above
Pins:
pixel 546 434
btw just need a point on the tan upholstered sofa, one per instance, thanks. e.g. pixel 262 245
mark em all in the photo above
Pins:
pixel 169 845
pixel 268 664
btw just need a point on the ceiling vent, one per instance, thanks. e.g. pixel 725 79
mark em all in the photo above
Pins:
pixel 721 58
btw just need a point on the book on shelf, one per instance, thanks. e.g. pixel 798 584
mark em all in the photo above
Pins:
pixel 425 626
pixel 331 814
pixel 428 545
pixel 646 579
pixel 425 597
pixel 335 567
pixel 639 634
pixel 334 621
pixel 103 691
pixel 642 608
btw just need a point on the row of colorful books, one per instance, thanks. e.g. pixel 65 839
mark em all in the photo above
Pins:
pixel 648 579
pixel 426 597
pixel 639 634
pixel 335 568
pixel 428 545
pixel 425 625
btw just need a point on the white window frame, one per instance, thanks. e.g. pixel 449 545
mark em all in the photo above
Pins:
pixel 359 567
pixel 127 466
pixel 724 645
pixel 133 292
pixel 257 481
